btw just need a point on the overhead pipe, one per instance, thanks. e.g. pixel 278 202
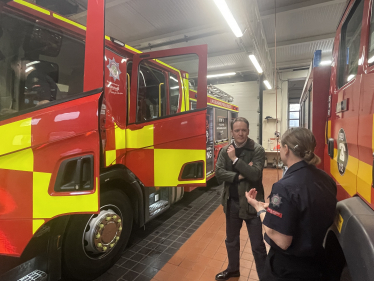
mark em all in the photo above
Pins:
pixel 181 40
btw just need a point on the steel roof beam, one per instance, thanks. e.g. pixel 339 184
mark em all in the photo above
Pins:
pixel 304 40
pixel 299 7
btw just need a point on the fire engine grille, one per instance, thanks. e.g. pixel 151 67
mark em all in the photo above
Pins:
pixel 36 275
pixel 158 207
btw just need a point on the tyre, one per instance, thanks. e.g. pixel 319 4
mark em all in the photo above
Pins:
pixel 93 243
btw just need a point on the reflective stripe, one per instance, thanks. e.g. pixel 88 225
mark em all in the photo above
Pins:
pixel 168 66
pixel 187 92
pixel 69 21
pixel 15 136
pixel 47 206
pixel 34 7
pixel 19 161
pixel 169 162
pixel 107 37
pixel 133 49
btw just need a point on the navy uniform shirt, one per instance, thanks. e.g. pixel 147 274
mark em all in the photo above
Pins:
pixel 302 205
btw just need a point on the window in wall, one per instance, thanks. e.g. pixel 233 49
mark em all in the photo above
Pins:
pixel 151 94
pixel 294 115
pixel 350 45
pixel 37 65
pixel 371 38
pixel 174 93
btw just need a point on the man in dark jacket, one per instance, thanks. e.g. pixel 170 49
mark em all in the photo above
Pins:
pixel 239 166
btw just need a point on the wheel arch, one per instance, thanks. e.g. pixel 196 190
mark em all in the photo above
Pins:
pixel 120 177
pixel 353 235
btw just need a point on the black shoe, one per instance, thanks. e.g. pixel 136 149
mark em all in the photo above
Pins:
pixel 225 275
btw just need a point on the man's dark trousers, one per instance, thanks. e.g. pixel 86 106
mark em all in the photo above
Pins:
pixel 233 226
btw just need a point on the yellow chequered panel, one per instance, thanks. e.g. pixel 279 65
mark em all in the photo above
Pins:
pixel 140 138
pixel 15 136
pixel 110 157
pixel 169 162
pixel 120 138
pixel 349 180
pixel 47 206
pixel 36 224
pixel 364 180
pixel 19 161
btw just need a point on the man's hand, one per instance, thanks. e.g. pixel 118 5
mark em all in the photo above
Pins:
pixel 251 198
pixel 231 152
pixel 250 164
pixel 241 177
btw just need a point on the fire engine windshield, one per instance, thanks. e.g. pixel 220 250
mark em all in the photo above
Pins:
pixel 37 65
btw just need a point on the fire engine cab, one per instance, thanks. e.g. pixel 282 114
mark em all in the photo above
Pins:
pixel 337 105
pixel 84 156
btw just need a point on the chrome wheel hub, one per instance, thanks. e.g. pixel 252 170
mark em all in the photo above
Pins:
pixel 102 233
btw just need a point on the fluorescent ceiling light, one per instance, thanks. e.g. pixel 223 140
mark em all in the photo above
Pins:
pixel 255 63
pixel 225 11
pixel 371 59
pixel 222 74
pixel 350 77
pixel 267 84
pixel 29 69
pixel 325 62
pixel 176 87
pixel 172 78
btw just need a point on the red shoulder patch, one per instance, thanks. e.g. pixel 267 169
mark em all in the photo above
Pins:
pixel 275 213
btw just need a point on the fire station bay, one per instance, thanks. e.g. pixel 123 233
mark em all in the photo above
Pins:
pixel 197 140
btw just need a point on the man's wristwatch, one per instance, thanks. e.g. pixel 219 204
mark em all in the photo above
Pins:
pixel 260 212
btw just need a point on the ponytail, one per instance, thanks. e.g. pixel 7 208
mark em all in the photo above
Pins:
pixel 302 143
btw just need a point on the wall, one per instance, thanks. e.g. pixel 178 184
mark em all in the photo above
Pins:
pixel 245 96
pixel 269 102
pixel 270 126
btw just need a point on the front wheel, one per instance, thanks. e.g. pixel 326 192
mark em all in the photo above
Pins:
pixel 93 243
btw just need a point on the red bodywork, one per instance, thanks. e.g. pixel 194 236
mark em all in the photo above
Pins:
pixel 62 130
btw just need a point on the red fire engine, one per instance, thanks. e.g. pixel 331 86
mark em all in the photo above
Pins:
pixel 83 155
pixel 339 108
pixel 220 112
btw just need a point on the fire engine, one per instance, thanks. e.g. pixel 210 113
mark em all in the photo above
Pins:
pixel 338 106
pixel 220 112
pixel 96 137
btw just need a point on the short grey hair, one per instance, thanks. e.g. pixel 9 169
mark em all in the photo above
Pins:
pixel 239 119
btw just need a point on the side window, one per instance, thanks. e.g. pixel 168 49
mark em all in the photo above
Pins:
pixel 221 125
pixel 37 65
pixel 151 101
pixel 174 93
pixel 371 38
pixel 350 45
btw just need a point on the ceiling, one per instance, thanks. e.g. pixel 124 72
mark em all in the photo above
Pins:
pixel 303 26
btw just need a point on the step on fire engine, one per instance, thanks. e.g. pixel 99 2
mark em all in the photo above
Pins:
pixel 84 157
pixel 338 106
